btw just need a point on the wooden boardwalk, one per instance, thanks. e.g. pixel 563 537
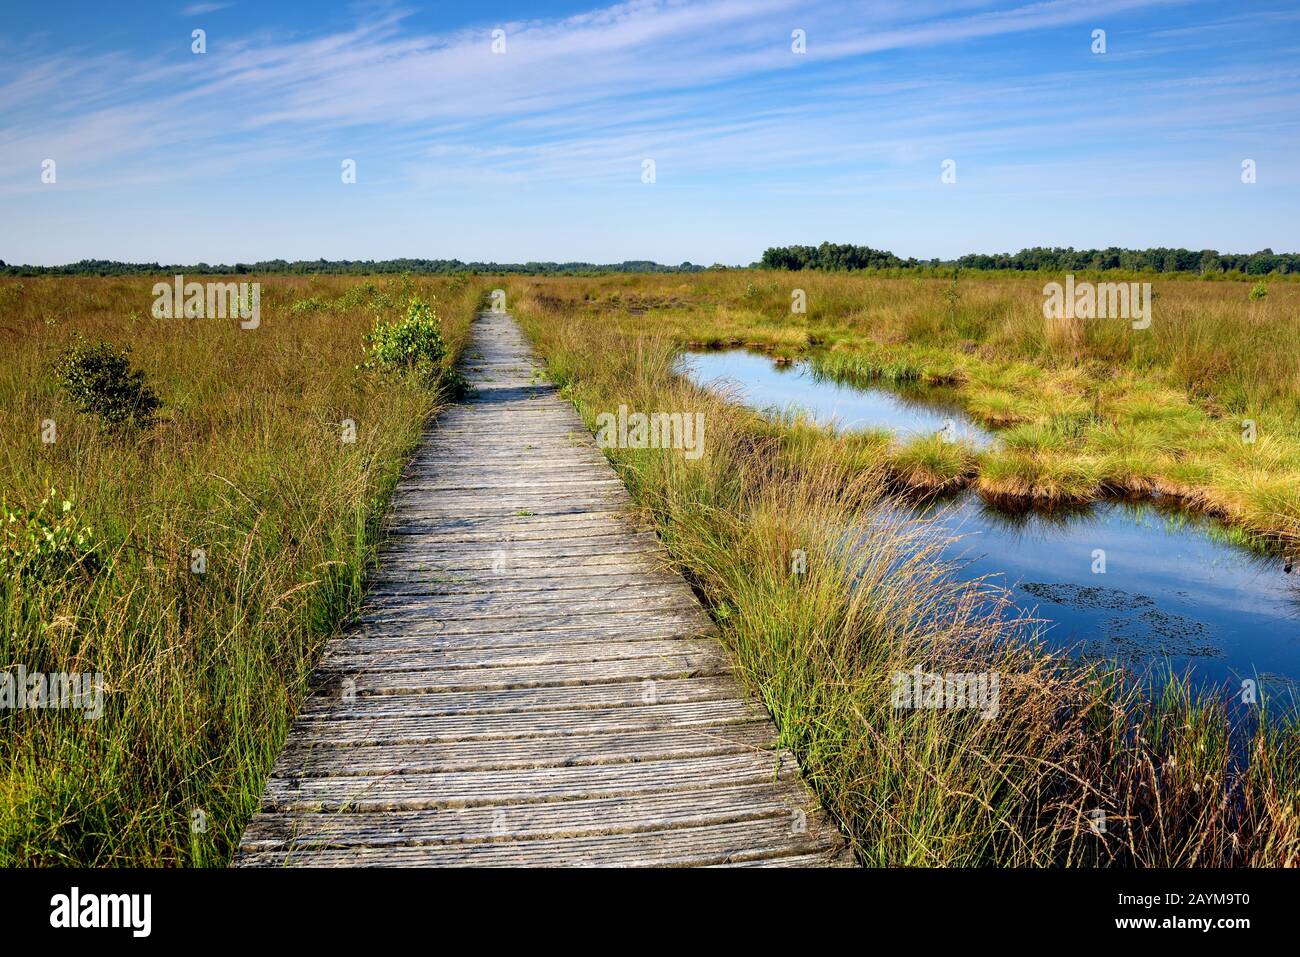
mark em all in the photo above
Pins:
pixel 527 684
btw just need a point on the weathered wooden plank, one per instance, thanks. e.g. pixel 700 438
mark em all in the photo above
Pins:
pixel 441 451
pixel 394 791
pixel 534 560
pixel 501 558
pixel 840 857
pixel 454 657
pixel 502 487
pixel 333 704
pixel 411 681
pixel 398 639
pixel 525 821
pixel 475 726
pixel 711 844
pixel 563 547
pixel 444 507
pixel 453 529
pixel 671 610
pixel 416 508
pixel 590 569
pixel 503 604
pixel 602 577
pixel 307 758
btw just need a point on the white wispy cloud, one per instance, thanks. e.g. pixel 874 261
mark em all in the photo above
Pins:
pixel 198 9
pixel 698 86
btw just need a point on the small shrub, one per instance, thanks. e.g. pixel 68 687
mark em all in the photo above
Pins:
pixel 98 380
pixel 413 345
pixel 1258 292
pixel 403 287
pixel 364 294
pixel 46 541
pixel 307 305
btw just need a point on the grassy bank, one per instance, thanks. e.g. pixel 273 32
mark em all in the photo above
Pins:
pixel 250 462
pixel 823 595
pixel 1203 406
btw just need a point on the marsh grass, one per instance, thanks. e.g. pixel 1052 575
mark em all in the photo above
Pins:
pixel 933 464
pixel 1182 779
pixel 245 461
pixel 1102 409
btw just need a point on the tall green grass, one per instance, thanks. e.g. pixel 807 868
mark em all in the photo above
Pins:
pixel 248 463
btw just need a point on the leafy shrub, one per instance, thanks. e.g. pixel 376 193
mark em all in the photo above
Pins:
pixel 413 345
pixel 98 380
pixel 364 294
pixel 307 305
pixel 46 541
pixel 1258 292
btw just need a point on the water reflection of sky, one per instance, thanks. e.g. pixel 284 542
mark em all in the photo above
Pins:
pixel 1171 590
pixel 766 386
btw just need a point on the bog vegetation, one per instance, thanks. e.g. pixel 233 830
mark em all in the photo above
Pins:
pixel 186 511
pixel 98 380
pixel 1083 765
pixel 1202 407
pixel 183 512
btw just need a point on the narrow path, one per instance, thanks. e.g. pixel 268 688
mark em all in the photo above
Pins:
pixel 527 684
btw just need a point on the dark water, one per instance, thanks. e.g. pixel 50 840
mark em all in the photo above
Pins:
pixel 1173 592
pixel 767 386
pixel 1141 584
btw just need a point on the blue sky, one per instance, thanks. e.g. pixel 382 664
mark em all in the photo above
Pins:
pixel 537 152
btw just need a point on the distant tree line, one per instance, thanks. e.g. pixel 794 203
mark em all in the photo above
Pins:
pixel 839 256
pixel 827 256
pixel 106 267
pixel 833 256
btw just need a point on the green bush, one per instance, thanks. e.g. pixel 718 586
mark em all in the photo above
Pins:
pixel 1258 292
pixel 306 305
pixel 365 294
pixel 413 345
pixel 98 380
pixel 45 541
